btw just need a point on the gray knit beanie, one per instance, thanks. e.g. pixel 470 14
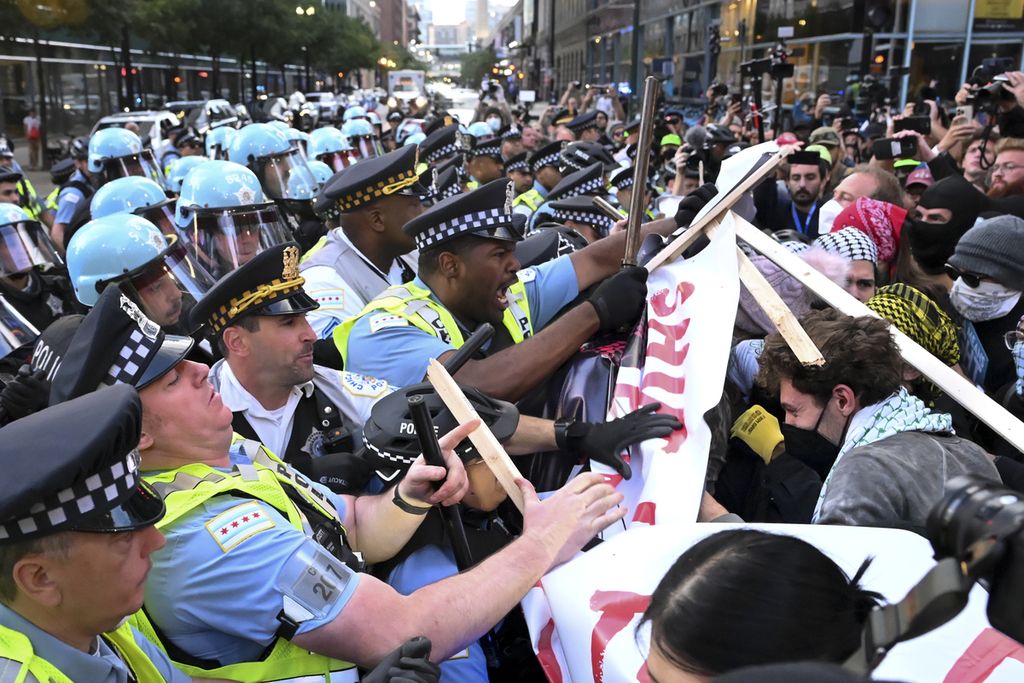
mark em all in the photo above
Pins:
pixel 993 247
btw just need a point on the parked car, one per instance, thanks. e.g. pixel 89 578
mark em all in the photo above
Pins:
pixel 204 114
pixel 153 125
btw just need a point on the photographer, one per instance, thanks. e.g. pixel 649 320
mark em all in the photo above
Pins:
pixel 492 104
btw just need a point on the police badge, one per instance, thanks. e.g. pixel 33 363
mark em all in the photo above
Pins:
pixel 510 192
pixel 290 263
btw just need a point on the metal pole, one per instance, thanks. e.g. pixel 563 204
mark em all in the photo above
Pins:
pixel 643 159
pixel 634 81
pixel 969 34
pixel 907 53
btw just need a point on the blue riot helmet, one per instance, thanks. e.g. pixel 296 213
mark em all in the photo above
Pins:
pixel 24 244
pixel 354 112
pixel 363 138
pixel 300 139
pixel 180 168
pixel 153 269
pixel 217 141
pixel 480 130
pixel 375 121
pixel 280 125
pixel 330 146
pixel 414 139
pixel 321 171
pixel 278 164
pixel 118 153
pixel 140 196
pixel 224 216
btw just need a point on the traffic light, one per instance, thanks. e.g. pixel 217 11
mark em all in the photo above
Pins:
pixel 714 40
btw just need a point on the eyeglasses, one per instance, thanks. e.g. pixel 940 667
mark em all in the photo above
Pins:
pixel 1012 337
pixel 1008 167
pixel 972 280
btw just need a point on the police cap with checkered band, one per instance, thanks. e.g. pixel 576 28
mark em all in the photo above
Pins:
pixel 589 181
pixel 115 344
pixel 90 481
pixel 548 155
pixel 484 212
pixel 269 284
pixel 370 180
pixel 581 209
pixel 441 144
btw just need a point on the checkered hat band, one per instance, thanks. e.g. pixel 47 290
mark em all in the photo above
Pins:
pixel 268 293
pixel 398 460
pixel 450 191
pixel 625 183
pixel 489 149
pixel 131 359
pixel 492 218
pixel 549 160
pixel 593 185
pixel 444 150
pixel 597 220
pixel 97 491
pixel 380 188
pixel 517 166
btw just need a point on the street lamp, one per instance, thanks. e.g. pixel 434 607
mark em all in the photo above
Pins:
pixel 307 12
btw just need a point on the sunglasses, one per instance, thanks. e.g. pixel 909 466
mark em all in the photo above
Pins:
pixel 972 280
pixel 672 119
pixel 1012 337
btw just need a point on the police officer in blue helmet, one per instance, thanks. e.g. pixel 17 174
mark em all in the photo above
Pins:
pixel 180 168
pixel 363 138
pixel 217 141
pixel 356 111
pixel 330 146
pixel 321 171
pixel 154 269
pixel 140 196
pixel 32 276
pixel 284 175
pixel 225 217
pixel 300 139
pixel 117 153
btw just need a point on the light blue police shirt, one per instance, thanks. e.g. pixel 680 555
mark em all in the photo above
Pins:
pixel 69 198
pixel 400 354
pixel 218 585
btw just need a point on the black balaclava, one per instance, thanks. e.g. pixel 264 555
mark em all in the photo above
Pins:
pixel 933 243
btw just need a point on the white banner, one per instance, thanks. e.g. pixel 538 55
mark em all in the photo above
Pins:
pixel 595 602
pixel 681 364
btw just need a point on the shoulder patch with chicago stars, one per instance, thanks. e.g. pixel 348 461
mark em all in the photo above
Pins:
pixel 236 524
pixel 379 321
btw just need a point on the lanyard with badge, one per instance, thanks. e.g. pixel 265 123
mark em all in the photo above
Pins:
pixel 803 227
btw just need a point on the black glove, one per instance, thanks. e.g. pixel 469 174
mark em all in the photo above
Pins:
pixel 693 203
pixel 408 664
pixel 341 472
pixel 605 441
pixel 27 393
pixel 620 299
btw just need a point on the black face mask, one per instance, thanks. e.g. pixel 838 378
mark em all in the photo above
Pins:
pixel 933 243
pixel 810 447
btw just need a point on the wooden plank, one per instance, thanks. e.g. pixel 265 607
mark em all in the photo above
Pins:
pixel 489 448
pixel 945 377
pixel 778 312
pixel 680 244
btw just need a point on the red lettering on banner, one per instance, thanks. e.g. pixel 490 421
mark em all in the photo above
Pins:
pixel 982 656
pixel 644 513
pixel 546 654
pixel 659 302
pixel 617 609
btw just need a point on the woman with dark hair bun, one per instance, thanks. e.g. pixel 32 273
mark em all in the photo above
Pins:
pixel 744 597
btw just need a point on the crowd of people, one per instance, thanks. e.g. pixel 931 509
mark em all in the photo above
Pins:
pixel 212 346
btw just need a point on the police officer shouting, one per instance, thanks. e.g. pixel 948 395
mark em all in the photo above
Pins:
pixel 261 581
pixel 469 274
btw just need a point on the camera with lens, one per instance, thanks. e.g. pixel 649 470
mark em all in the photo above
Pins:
pixel 981 525
pixel 977 532
pixel 719 89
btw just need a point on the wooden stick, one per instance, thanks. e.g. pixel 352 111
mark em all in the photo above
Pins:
pixel 778 312
pixel 700 171
pixel 482 437
pixel 680 244
pixel 945 377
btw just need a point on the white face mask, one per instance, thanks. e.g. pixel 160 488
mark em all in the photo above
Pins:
pixel 494 123
pixel 827 216
pixel 988 301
